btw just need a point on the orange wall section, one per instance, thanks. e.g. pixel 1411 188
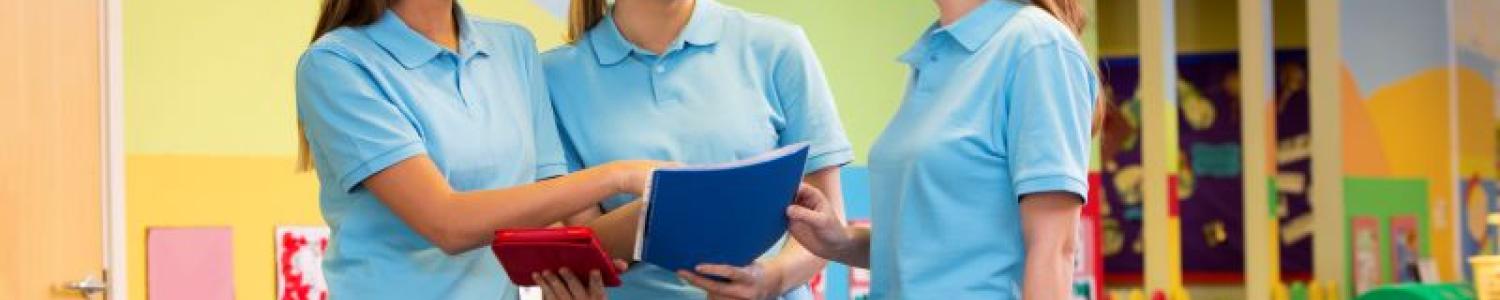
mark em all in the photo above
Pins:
pixel 251 194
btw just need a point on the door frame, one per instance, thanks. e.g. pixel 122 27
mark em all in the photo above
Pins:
pixel 112 79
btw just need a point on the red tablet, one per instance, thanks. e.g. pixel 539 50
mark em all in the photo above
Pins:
pixel 529 251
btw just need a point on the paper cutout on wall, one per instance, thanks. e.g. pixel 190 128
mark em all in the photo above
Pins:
pixel 299 262
pixel 189 263
pixel 1365 266
pixel 1404 252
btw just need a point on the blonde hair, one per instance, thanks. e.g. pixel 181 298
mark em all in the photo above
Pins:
pixel 584 15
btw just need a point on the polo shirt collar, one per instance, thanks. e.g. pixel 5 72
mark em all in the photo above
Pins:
pixel 976 28
pixel 412 49
pixel 971 31
pixel 704 27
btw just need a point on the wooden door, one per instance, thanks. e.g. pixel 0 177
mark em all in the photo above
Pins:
pixel 51 226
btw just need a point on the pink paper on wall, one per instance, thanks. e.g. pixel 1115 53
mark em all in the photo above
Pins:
pixel 189 263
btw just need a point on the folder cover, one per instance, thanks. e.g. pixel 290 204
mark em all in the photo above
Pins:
pixel 726 213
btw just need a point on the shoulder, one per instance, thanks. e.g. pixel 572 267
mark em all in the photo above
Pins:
pixel 1032 28
pixel 342 46
pixel 763 31
pixel 500 32
pixel 565 55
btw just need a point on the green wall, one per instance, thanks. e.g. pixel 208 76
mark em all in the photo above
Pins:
pixel 858 42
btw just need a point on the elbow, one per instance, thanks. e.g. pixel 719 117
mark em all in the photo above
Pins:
pixel 451 241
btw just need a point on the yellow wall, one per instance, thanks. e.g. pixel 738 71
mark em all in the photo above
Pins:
pixel 210 134
pixel 1202 26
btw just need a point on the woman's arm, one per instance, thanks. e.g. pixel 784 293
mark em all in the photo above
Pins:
pixel 817 227
pixel 418 193
pixel 795 264
pixel 1049 223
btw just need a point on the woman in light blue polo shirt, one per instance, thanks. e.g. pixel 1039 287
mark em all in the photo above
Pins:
pixel 978 180
pixel 694 82
pixel 427 129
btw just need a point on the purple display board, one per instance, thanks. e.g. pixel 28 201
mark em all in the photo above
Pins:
pixel 1210 183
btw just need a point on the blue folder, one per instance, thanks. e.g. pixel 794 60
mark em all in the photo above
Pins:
pixel 721 214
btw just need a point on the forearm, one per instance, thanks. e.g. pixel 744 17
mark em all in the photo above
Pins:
pixel 1049 225
pixel 617 230
pixel 795 265
pixel 459 221
pixel 1048 276
pixel 858 253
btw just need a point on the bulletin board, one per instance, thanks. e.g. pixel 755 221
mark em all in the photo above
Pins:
pixel 1210 184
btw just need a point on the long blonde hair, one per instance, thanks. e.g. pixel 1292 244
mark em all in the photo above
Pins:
pixel 335 14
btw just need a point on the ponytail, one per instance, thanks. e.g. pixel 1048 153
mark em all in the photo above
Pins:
pixel 335 14
pixel 582 16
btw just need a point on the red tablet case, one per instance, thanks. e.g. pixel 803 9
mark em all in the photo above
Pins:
pixel 530 251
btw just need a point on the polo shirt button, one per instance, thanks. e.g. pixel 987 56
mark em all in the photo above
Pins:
pixel 660 69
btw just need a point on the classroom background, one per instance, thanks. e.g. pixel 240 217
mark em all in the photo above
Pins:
pixel 1255 149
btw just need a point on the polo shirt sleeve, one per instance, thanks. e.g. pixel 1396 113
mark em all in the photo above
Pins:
pixel 1049 105
pixel 352 128
pixel 549 149
pixel 807 106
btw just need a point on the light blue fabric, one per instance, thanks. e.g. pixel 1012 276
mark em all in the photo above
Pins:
pixel 734 85
pixel 998 105
pixel 372 96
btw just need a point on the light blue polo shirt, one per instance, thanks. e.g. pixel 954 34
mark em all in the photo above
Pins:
pixel 373 96
pixel 998 105
pixel 734 85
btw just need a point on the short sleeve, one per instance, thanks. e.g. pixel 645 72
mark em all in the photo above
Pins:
pixel 549 149
pixel 807 105
pixel 352 128
pixel 1049 105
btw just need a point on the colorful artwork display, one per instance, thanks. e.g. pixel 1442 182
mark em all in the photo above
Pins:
pixel 1209 185
pixel 1404 252
pixel 299 262
pixel 1365 252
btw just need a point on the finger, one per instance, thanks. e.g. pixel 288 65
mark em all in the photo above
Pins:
pixel 548 290
pixel 596 284
pixel 575 287
pixel 728 272
pixel 802 214
pixel 621 265
pixel 708 285
pixel 810 197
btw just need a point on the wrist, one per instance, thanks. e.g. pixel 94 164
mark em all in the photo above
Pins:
pixel 773 278
pixel 844 249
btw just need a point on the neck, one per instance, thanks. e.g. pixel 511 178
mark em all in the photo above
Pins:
pixel 950 11
pixel 431 18
pixel 653 24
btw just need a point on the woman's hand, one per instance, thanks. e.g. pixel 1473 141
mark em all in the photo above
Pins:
pixel 815 224
pixel 630 176
pixel 755 282
pixel 564 286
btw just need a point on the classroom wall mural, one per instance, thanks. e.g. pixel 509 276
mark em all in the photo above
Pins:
pixel 1209 175
pixel 1397 109
pixel 1477 50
